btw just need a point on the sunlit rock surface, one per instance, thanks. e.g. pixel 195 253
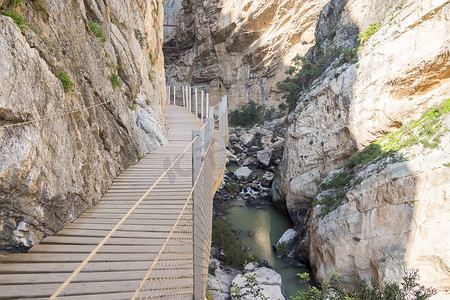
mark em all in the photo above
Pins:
pixel 237 47
pixel 52 171
pixel 401 71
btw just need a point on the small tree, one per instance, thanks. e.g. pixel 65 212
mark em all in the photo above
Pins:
pixel 250 289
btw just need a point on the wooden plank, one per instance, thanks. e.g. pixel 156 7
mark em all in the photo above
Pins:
pixel 125 227
pixel 84 288
pixel 48 248
pixel 25 268
pixel 127 255
pixel 75 257
pixel 89 240
pixel 9 279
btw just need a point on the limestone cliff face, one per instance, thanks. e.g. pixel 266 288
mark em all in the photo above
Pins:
pixel 53 170
pixel 237 47
pixel 394 216
pixel 402 70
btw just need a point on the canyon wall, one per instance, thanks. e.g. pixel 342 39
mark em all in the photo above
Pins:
pixel 394 219
pixel 53 170
pixel 237 47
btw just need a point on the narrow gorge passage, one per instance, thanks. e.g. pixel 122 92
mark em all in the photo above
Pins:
pixel 344 164
pixel 338 146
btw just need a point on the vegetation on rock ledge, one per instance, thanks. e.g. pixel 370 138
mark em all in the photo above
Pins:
pixel 97 31
pixel 427 131
pixel 65 81
pixel 18 20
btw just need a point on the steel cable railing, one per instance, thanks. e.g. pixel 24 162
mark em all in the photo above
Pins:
pixel 197 213
pixel 180 268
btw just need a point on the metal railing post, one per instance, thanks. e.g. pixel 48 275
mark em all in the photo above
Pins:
pixel 168 94
pixel 225 100
pixel 201 113
pixel 211 112
pixel 197 155
pixel 196 103
pixel 190 99
pixel 174 95
pixel 184 98
pixel 221 134
pixel 208 132
pixel 207 107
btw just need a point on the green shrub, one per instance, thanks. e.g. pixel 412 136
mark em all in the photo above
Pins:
pixel 248 114
pixel 150 75
pixel 340 181
pixel 16 3
pixel 330 202
pixel 66 82
pixel 115 81
pixel 133 107
pixel 349 55
pixel 408 289
pixel 152 61
pixel 231 187
pixel 18 20
pixel 367 33
pixel 282 250
pixel 141 38
pixel 251 289
pixel 149 103
pixel 305 71
pixel 208 295
pixel 139 156
pixel 97 31
pixel 223 238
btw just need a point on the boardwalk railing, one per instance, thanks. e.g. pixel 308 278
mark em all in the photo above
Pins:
pixel 208 165
pixel 175 266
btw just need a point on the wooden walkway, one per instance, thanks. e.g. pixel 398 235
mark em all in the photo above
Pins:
pixel 117 269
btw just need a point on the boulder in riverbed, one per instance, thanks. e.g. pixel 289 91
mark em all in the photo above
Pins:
pixel 287 243
pixel 243 173
pixel 267 179
pixel 264 157
pixel 247 139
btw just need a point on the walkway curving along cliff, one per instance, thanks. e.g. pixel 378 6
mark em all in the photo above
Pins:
pixel 150 235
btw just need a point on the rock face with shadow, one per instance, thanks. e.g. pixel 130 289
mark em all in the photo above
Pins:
pixel 52 171
pixel 393 216
pixel 237 47
pixel 401 70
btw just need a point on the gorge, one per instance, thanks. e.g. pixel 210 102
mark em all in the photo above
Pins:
pixel 360 163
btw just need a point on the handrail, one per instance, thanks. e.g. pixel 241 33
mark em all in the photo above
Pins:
pixel 200 197
pixel 54 116
pixel 155 261
pixel 124 218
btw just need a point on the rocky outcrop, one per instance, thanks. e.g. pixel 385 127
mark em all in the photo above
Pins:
pixel 265 282
pixel 402 70
pixel 237 47
pixel 51 171
pixel 392 217
pixel 287 243
pixel 219 280
pixel 355 103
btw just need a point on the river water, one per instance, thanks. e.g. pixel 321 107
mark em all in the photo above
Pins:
pixel 267 225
